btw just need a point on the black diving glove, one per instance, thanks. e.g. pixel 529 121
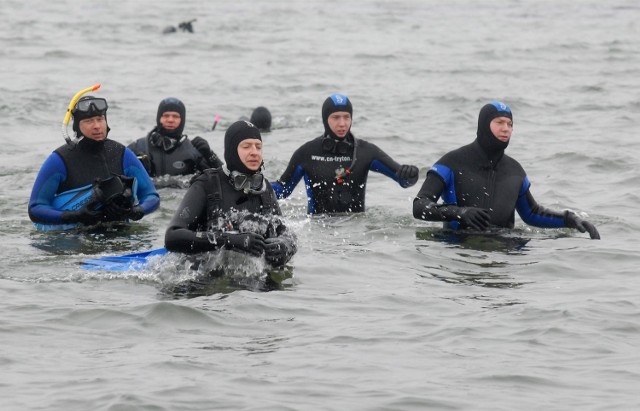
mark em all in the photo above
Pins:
pixel 571 220
pixel 474 218
pixel 209 156
pixel 408 172
pixel 202 146
pixel 248 242
pixel 136 214
pixel 85 216
pixel 214 161
pixel 276 251
pixel 116 212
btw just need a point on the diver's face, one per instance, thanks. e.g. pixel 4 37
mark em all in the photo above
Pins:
pixel 250 153
pixel 501 127
pixel 340 123
pixel 94 128
pixel 170 120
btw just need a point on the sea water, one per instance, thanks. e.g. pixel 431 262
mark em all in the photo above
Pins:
pixel 376 311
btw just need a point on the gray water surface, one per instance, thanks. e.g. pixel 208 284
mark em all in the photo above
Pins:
pixel 377 311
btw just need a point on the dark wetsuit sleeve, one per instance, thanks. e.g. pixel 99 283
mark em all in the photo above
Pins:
pixel 290 177
pixel 51 175
pixel 534 214
pixel 148 197
pixel 384 164
pixel 425 205
pixel 187 230
pixel 205 157
pixel 439 183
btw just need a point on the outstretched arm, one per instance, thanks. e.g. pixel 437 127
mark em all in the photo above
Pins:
pixel 290 177
pixel 534 214
pixel 406 175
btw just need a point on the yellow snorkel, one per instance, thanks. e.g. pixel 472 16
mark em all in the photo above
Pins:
pixel 72 104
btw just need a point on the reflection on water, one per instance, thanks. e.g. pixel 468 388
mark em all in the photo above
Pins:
pixel 494 241
pixel 168 181
pixel 108 238
pixel 478 259
pixel 219 283
pixel 483 279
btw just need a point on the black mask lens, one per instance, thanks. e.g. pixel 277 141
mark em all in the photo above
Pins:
pixel 256 181
pixel 95 105
pixel 239 180
pixel 252 182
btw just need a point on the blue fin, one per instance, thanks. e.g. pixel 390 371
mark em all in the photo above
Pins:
pixel 127 262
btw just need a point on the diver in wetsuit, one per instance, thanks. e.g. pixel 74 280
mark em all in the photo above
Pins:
pixel 335 166
pixel 233 207
pixel 92 180
pixel 481 186
pixel 165 150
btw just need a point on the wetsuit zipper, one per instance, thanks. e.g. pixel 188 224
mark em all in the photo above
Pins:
pixel 491 183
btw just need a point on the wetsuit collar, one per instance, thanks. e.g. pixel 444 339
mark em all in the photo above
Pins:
pixel 90 145
pixel 337 145
pixel 492 157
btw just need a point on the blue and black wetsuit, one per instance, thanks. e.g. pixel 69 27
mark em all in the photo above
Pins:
pixel 72 167
pixel 480 186
pixel 466 177
pixel 330 189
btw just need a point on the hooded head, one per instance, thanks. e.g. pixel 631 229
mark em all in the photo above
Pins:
pixel 333 104
pixel 238 131
pixel 261 118
pixel 87 107
pixel 171 104
pixel 488 141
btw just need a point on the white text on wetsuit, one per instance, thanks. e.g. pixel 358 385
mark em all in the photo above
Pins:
pixel 336 158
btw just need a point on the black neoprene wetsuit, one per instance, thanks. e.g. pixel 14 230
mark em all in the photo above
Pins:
pixel 181 158
pixel 466 177
pixel 212 206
